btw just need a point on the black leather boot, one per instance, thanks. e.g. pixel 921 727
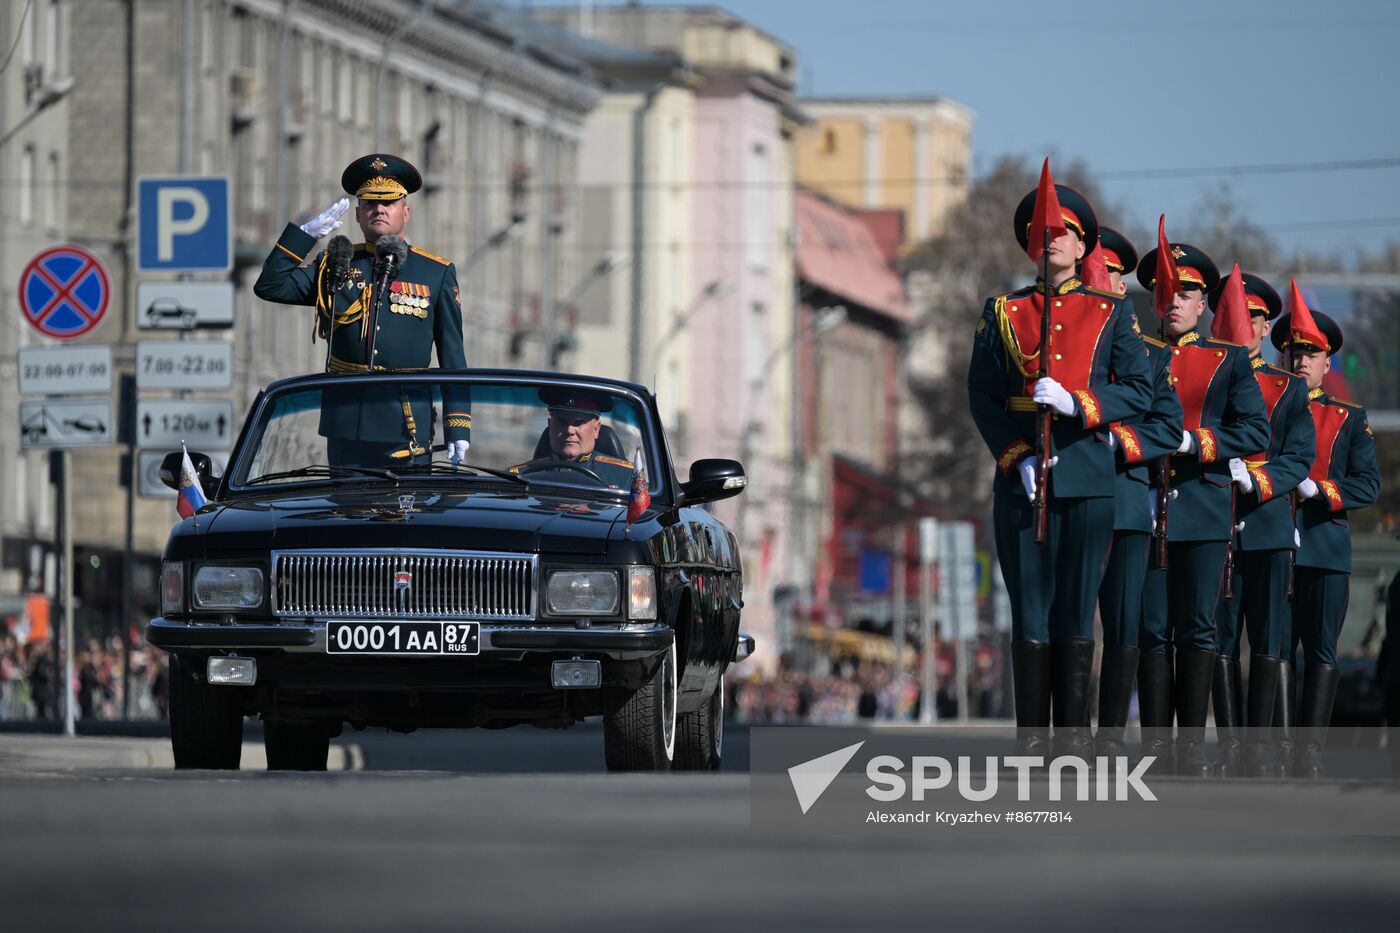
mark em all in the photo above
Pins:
pixel 1116 676
pixel 1319 692
pixel 1194 672
pixel 1259 760
pixel 1073 666
pixel 1285 718
pixel 1030 674
pixel 1225 702
pixel 1155 703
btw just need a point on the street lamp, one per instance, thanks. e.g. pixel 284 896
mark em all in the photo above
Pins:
pixel 714 291
pixel 827 319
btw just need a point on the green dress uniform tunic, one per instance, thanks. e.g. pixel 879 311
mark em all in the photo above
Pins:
pixel 421 311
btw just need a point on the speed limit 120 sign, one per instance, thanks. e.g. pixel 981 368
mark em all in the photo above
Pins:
pixel 184 364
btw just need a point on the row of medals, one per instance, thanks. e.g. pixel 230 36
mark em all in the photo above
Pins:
pixel 406 303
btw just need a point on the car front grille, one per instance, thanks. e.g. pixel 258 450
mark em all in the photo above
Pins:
pixel 404 584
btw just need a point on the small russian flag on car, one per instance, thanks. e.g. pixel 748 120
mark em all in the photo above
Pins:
pixel 191 494
pixel 639 498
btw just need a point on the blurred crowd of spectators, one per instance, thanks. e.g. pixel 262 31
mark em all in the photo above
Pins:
pixel 866 691
pixel 31 680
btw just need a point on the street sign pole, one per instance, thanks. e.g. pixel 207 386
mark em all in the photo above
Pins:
pixel 126 421
pixel 897 612
pixel 65 527
pixel 928 552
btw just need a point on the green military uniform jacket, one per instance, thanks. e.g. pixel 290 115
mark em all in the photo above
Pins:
pixel 615 472
pixel 422 311
pixel 1095 354
pixel 1347 477
pixel 1143 441
pixel 1266 512
pixel 1224 412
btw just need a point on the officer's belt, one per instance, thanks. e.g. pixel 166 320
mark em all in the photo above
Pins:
pixel 1027 404
pixel 337 365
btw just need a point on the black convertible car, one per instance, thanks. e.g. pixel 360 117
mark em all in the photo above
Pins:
pixel 558 570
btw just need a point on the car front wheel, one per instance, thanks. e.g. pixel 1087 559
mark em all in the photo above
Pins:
pixel 206 723
pixel 700 735
pixel 639 727
pixel 296 746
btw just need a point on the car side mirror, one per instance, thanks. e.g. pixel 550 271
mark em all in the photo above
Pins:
pixel 171 465
pixel 714 479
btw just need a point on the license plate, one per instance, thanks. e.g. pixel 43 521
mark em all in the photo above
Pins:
pixel 403 637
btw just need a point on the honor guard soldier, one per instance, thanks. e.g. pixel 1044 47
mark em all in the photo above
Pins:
pixel 1224 418
pixel 576 439
pixel 1343 476
pixel 1087 369
pixel 1264 546
pixel 1137 443
pixel 382 306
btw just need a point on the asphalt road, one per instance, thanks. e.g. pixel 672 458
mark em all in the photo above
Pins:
pixel 521 830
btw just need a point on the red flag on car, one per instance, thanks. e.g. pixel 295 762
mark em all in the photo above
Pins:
pixel 1231 322
pixel 639 498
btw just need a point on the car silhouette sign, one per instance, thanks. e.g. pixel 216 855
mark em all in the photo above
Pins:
pixel 184 305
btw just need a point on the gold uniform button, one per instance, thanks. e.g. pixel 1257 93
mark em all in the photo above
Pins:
pixel 1173 472
pixel 1057 356
pixel 1011 307
pixel 1219 353
pixel 1102 306
pixel 1059 327
pixel 1058 303
pixel 1279 383
pixel 1176 351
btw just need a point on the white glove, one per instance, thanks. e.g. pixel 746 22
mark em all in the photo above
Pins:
pixel 1240 474
pixel 328 220
pixel 1112 441
pixel 1188 443
pixel 1152 502
pixel 1297 538
pixel 1026 467
pixel 1307 488
pixel 1049 392
pixel 1239 528
pixel 457 450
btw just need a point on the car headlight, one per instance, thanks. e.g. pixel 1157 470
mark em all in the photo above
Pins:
pixel 172 586
pixel 228 587
pixel 582 592
pixel 641 593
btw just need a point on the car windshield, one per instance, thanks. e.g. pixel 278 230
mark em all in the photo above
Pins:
pixel 365 429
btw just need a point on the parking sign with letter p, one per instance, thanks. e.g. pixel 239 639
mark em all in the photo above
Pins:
pixel 184 224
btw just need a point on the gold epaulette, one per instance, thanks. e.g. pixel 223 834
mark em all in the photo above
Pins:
pixel 1018 293
pixel 1342 401
pixel 611 461
pixel 1225 343
pixel 433 256
pixel 1153 341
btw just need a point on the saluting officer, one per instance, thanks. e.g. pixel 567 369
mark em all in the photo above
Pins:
pixel 1264 547
pixel 1343 476
pixel 366 308
pixel 1224 418
pixel 1098 374
pixel 1138 442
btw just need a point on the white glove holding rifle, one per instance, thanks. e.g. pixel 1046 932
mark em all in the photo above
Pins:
pixel 1026 467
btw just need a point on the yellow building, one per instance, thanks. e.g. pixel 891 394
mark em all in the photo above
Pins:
pixel 909 154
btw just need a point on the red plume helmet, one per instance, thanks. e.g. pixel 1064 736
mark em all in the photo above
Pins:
pixel 1301 326
pixel 1168 282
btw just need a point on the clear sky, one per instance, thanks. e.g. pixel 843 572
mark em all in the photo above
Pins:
pixel 1139 89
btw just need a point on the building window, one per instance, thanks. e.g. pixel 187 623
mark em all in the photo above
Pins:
pixel 755 347
pixel 26 185
pixel 28 48
pixel 51 47
pixel 758 229
pixel 51 194
pixel 829 141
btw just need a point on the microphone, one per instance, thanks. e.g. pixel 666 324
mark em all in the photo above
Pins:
pixel 392 252
pixel 338 255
